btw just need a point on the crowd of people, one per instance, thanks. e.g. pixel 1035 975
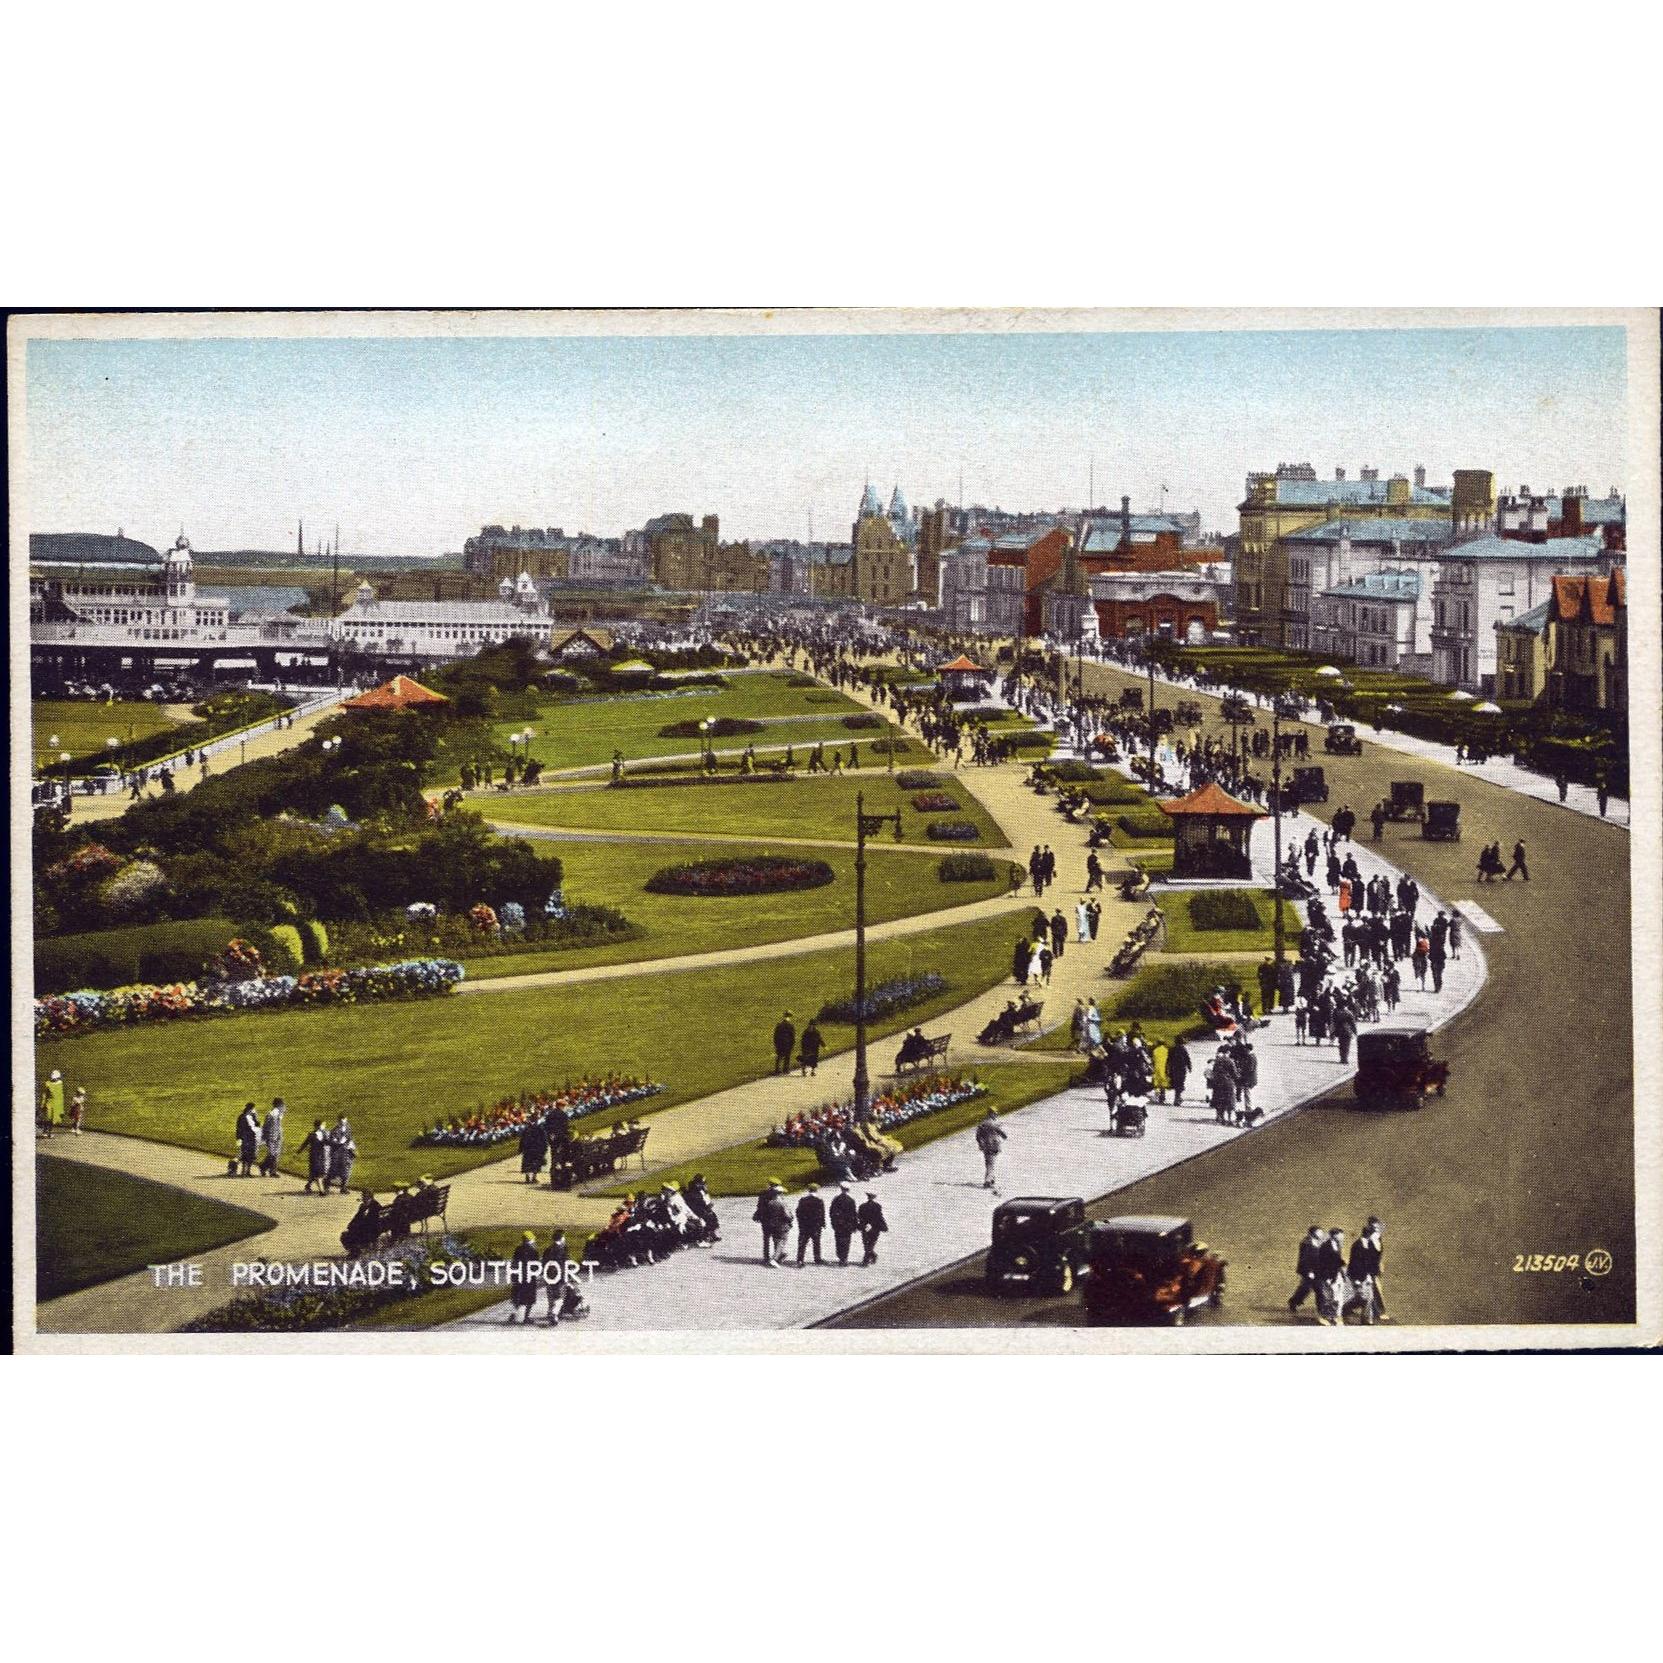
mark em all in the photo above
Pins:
pixel 1341 1283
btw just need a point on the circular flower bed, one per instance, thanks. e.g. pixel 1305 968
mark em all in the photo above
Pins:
pixel 768 875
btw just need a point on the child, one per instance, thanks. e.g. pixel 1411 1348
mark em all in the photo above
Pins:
pixel 78 1110
pixel 1301 1019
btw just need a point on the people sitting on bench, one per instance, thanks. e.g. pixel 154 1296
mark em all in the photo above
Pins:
pixel 1002 1028
pixel 917 1049
pixel 364 1229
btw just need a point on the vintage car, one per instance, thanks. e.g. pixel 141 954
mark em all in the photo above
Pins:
pixel 1341 740
pixel 1407 801
pixel 1308 785
pixel 1442 823
pixel 1396 1069
pixel 1040 1239
pixel 1149 1269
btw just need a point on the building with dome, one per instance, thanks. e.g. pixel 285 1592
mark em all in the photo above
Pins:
pixel 126 587
pixel 443 628
pixel 881 569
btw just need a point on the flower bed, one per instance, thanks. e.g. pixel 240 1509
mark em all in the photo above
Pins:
pixel 724 727
pixel 86 1011
pixel 976 868
pixel 301 1307
pixel 953 831
pixel 919 779
pixel 760 875
pixel 866 719
pixel 935 802
pixel 887 998
pixel 901 1104
pixel 1223 909
pixel 508 1118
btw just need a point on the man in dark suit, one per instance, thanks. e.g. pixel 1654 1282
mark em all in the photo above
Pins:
pixel 845 1220
pixel 872 1225
pixel 785 1040
pixel 811 1221
pixel 1364 1269
pixel 1345 1029
pixel 1306 1267
pixel 1267 987
pixel 1330 1259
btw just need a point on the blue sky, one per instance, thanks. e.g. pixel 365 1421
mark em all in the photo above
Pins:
pixel 412 444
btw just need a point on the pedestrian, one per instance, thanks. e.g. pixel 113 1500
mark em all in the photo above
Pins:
pixel 1602 791
pixel 1364 1271
pixel 845 1220
pixel 775 1218
pixel 342 1153
pixel 1301 1019
pixel 1453 940
pixel 1223 1085
pixel 1159 1078
pixel 1418 961
pixel 1036 963
pixel 1059 933
pixel 248 1139
pixel 1178 1068
pixel 1094 911
pixel 1094 871
pixel 809 1054
pixel 1561 784
pixel 1435 960
pixel 1345 1029
pixel 1020 954
pixel 1332 1289
pixel 52 1103
pixel 811 1223
pixel 1082 923
pixel 78 1110
pixel 990 1139
pixel 1306 1267
pixel 271 1135
pixel 534 1149
pixel 554 1276
pixel 1046 959
pixel 315 1147
pixel 524 1273
pixel 1519 865
pixel 1094 1025
pixel 1077 1026
pixel 1377 819
pixel 785 1041
pixel 1267 986
pixel 872 1225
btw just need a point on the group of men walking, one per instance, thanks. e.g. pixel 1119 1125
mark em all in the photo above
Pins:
pixel 847 1220
pixel 1341 1282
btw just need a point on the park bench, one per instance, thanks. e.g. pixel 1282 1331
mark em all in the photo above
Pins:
pixel 429 1205
pixel 935 1050
pixel 1027 1016
pixel 395 1220
pixel 586 1158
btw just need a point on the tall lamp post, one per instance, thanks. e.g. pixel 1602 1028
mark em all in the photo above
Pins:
pixel 1282 705
pixel 1149 656
pixel 864 824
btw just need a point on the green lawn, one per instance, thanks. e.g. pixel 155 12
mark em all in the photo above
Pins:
pixel 1183 937
pixel 804 807
pixel 83 727
pixel 394 1068
pixel 95 1225
pixel 748 1168
pixel 898 885
pixel 581 732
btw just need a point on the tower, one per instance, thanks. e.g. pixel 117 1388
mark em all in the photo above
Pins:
pixel 300 540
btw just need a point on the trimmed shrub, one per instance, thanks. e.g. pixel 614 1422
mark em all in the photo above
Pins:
pixel 953 831
pixel 973 868
pixel 1030 739
pixel 724 727
pixel 1223 909
pixel 288 937
pixel 1169 990
pixel 1073 771
pixel 277 956
pixel 169 952
pixel 1147 823
pixel 866 719
pixel 1116 793
pixel 919 779
pixel 314 941
pixel 762 875
pixel 884 746
pixel 821 695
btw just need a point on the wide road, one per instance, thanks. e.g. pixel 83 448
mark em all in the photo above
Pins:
pixel 1532 1151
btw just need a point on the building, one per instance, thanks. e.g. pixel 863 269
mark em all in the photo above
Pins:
pixel 884 571
pixel 1293 499
pixel 1184 605
pixel 679 554
pixel 129 593
pixel 604 560
pixel 1338 552
pixel 401 693
pixel 500 551
pixel 1376 620
pixel 443 629
pixel 571 646
pixel 1491 580
pixel 1128 542
pixel 935 536
pixel 1524 516
pixel 981 594
pixel 1523 646
pixel 1588 622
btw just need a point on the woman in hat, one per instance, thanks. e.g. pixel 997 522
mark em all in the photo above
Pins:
pixel 52 1103
pixel 524 1275
pixel 315 1147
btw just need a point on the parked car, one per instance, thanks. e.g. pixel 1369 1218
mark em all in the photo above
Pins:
pixel 1309 785
pixel 1396 1069
pixel 1341 740
pixel 1442 823
pixel 1039 1239
pixel 1407 802
pixel 1149 1269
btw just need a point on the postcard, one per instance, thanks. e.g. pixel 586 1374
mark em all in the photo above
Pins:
pixel 835 831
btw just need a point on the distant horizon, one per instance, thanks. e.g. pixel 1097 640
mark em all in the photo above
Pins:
pixel 414 443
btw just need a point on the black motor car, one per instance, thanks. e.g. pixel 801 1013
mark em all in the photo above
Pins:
pixel 1309 785
pixel 1148 1268
pixel 1407 801
pixel 1341 740
pixel 1396 1069
pixel 1442 823
pixel 1040 1239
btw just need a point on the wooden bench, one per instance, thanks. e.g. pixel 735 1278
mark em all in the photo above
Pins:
pixel 935 1050
pixel 586 1158
pixel 1027 1016
pixel 428 1205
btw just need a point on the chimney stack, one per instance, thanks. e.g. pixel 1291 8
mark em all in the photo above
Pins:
pixel 1420 478
pixel 1339 475
pixel 1125 519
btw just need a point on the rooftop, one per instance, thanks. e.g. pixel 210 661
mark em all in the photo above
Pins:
pixel 398 694
pixel 1212 799
pixel 1507 548
pixel 1312 493
pixel 1373 528
pixel 1379 586
pixel 1535 620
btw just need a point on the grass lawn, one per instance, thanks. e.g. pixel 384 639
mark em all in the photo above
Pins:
pixel 83 726
pixel 821 807
pixel 748 1168
pixel 395 1068
pixel 898 885
pixel 1182 936
pixel 582 731
pixel 95 1225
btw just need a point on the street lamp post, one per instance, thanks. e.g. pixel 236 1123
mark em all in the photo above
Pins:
pixel 864 824
pixel 1149 652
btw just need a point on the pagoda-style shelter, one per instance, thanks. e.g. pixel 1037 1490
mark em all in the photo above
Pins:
pixel 1210 832
pixel 401 693
pixel 962 675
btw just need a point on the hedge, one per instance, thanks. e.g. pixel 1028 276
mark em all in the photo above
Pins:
pixel 1146 823
pixel 724 727
pixel 744 875
pixel 314 940
pixel 866 719
pixel 1223 909
pixel 1074 772
pixel 288 938
pixel 172 952
pixel 1174 989
pixel 967 868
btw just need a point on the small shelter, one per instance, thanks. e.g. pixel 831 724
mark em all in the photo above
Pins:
pixel 580 643
pixel 1210 831
pixel 401 693
pixel 962 675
